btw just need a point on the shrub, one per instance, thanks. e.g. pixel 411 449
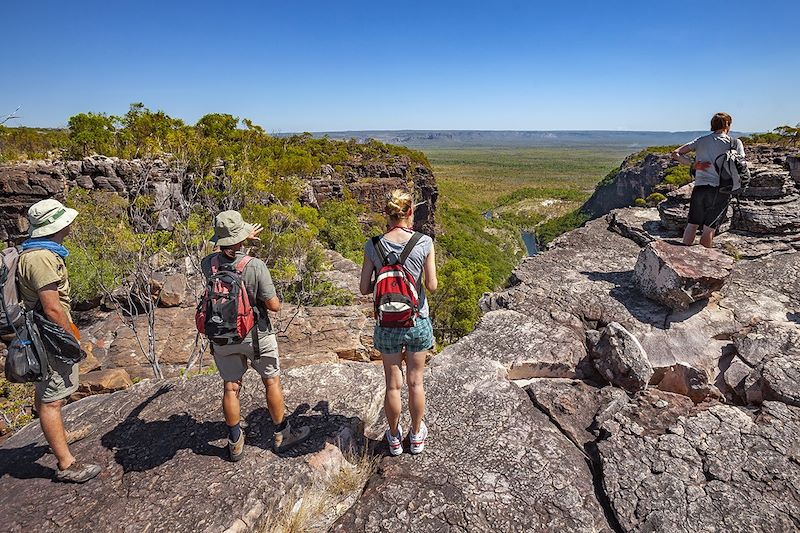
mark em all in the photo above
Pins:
pixel 554 227
pixel 640 202
pixel 677 175
pixel 655 198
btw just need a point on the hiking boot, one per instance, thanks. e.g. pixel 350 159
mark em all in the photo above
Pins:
pixel 236 449
pixel 418 440
pixel 77 473
pixel 395 443
pixel 289 437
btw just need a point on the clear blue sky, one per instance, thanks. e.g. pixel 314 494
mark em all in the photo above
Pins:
pixel 323 65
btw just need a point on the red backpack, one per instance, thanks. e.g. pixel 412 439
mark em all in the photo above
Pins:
pixel 224 314
pixel 396 299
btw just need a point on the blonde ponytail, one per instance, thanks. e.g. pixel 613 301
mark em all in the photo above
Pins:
pixel 398 205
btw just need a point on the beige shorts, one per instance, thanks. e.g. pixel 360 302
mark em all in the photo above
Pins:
pixel 62 383
pixel 232 359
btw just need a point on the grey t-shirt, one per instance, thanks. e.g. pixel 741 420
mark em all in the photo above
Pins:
pixel 708 148
pixel 414 264
pixel 257 281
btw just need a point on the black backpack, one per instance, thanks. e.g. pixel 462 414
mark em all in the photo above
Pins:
pixel 732 169
pixel 35 336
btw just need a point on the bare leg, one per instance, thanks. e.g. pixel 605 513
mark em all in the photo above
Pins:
pixel 689 234
pixel 53 428
pixel 415 368
pixel 392 404
pixel 275 403
pixel 707 237
pixel 230 402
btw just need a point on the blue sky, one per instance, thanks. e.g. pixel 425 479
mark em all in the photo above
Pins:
pixel 322 66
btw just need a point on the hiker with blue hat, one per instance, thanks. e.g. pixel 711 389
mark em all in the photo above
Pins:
pixel 43 284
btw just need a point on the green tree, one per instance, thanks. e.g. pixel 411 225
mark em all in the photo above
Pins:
pixel 454 307
pixel 91 133
pixel 221 126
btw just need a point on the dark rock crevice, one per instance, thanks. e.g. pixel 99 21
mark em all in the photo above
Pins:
pixel 590 452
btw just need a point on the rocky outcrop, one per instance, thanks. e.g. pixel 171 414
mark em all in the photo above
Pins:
pixel 678 276
pixel 165 182
pixel 369 182
pixel 162 447
pixel 22 184
pixel 637 177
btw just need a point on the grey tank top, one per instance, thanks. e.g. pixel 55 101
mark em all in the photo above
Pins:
pixel 414 264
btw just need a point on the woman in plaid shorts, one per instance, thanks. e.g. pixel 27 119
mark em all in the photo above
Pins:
pixel 403 343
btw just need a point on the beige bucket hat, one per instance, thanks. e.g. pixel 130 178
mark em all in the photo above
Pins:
pixel 48 217
pixel 230 228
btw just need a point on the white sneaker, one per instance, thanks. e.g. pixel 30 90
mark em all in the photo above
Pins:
pixel 395 443
pixel 418 441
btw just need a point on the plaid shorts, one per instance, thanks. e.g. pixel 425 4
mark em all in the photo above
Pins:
pixel 416 339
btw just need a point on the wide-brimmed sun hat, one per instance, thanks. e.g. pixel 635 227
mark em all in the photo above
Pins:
pixel 48 217
pixel 230 228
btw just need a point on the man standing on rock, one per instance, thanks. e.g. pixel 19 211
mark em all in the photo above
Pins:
pixel 230 232
pixel 708 205
pixel 43 282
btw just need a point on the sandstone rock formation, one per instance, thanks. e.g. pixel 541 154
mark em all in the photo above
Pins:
pixel 162 449
pixel 164 181
pixel 526 433
pixel 678 276
pixel 636 178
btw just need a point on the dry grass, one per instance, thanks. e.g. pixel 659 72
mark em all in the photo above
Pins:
pixel 328 499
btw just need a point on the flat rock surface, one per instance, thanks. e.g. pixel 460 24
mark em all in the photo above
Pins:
pixel 719 469
pixel 493 463
pixel 162 447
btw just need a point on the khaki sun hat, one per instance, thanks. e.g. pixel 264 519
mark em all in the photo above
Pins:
pixel 48 217
pixel 230 228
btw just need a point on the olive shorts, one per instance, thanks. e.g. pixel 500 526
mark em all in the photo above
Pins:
pixel 232 359
pixel 62 383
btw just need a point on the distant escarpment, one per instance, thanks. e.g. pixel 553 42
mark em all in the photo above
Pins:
pixel 653 170
pixel 168 184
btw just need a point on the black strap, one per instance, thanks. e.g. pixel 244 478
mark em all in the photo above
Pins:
pixel 412 242
pixel 376 243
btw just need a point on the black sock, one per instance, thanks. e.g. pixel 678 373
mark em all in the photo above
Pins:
pixel 280 427
pixel 234 432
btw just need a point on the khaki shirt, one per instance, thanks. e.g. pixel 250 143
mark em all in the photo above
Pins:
pixel 257 281
pixel 40 268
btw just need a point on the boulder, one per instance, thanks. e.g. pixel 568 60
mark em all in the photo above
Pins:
pixel 163 450
pixel 687 381
pixel 620 359
pixel 768 216
pixel 103 381
pixel 173 290
pixel 677 275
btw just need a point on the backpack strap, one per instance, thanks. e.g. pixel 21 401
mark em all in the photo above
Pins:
pixel 240 266
pixel 215 263
pixel 412 242
pixel 376 243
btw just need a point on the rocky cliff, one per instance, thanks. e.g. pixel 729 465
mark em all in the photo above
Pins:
pixel 165 182
pixel 581 402
pixel 642 174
